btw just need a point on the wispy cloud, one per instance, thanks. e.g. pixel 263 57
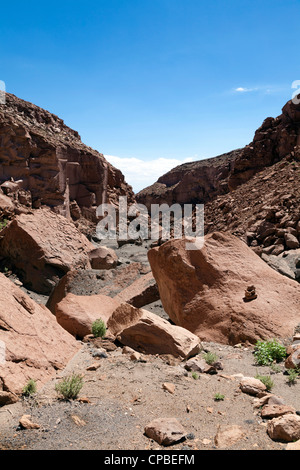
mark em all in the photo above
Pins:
pixel 264 89
pixel 142 173
pixel 244 90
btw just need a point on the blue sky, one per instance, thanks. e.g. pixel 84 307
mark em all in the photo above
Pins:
pixel 153 83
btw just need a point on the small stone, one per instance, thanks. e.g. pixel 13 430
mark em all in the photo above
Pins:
pixel 165 431
pixel 285 428
pixel 135 356
pixel 250 294
pixel 229 435
pixel 169 387
pixel 84 400
pixel 127 350
pixel 273 411
pixel 206 442
pixel 99 353
pixel 78 421
pixel 26 423
pixel 252 386
pixel 94 366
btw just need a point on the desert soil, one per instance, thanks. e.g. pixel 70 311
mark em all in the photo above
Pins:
pixel 122 396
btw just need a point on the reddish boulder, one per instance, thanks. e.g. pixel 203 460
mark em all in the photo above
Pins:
pixel 148 333
pixel 76 313
pixel 42 246
pixel 109 282
pixel 165 431
pixel 35 344
pixel 103 258
pixel 285 428
pixel 204 291
pixel 142 291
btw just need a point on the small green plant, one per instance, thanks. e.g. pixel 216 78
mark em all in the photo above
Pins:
pixel 99 328
pixel 3 224
pixel 70 386
pixel 266 352
pixel 30 388
pixel 292 376
pixel 210 357
pixel 275 368
pixel 219 397
pixel 266 380
pixel 195 375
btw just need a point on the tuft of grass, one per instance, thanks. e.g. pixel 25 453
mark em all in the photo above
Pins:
pixel 266 352
pixel 30 388
pixel 292 376
pixel 70 386
pixel 195 375
pixel 210 358
pixel 275 368
pixel 219 397
pixel 99 328
pixel 266 380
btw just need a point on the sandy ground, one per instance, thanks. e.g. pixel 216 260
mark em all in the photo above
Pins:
pixel 125 395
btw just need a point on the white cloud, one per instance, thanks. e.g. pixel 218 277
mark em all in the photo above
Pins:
pixel 142 173
pixel 244 90
pixel 265 89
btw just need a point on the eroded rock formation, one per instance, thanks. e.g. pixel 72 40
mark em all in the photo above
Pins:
pixel 44 162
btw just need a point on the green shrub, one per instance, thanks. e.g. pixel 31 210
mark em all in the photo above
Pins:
pixel 292 375
pixel 30 388
pixel 195 375
pixel 266 352
pixel 210 357
pixel 98 328
pixel 70 386
pixel 219 397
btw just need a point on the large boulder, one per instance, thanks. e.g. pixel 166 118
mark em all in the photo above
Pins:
pixel 110 282
pixel 35 345
pixel 148 333
pixel 76 313
pixel 142 291
pixel 204 290
pixel 42 247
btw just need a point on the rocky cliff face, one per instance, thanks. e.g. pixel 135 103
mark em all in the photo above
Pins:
pixel 194 182
pixel 274 140
pixel 202 181
pixel 44 162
